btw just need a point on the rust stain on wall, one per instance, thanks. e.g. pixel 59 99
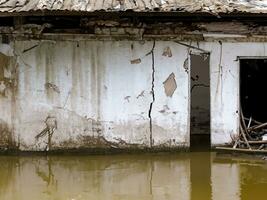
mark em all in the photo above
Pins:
pixel 170 85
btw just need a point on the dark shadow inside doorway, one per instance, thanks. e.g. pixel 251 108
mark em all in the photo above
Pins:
pixel 200 103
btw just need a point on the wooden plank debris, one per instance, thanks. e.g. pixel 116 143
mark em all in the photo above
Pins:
pixel 239 150
pixel 250 137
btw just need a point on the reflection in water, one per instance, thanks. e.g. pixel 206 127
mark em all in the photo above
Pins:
pixel 180 177
pixel 44 171
pixel 200 176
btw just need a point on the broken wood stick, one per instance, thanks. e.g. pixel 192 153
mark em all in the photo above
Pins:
pixel 249 122
pixel 258 126
pixel 244 136
pixel 261 147
pixel 241 150
pixel 235 144
pixel 243 123
pixel 256 142
pixel 235 140
pixel 254 121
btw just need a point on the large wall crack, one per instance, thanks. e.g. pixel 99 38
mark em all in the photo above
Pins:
pixel 152 92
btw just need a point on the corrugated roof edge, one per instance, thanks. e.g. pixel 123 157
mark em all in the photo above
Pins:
pixel 127 13
pixel 71 7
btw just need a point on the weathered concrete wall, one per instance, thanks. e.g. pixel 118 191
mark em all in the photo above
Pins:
pixel 113 94
pixel 98 95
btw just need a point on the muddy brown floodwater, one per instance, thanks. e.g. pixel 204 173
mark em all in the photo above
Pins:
pixel 137 177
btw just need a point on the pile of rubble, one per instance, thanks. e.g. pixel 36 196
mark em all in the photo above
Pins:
pixel 252 134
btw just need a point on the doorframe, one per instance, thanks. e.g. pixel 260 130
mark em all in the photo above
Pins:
pixel 238 58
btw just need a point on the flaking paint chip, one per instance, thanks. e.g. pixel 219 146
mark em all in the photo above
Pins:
pixel 167 52
pixel 53 87
pixel 186 65
pixel 170 85
pixel 136 61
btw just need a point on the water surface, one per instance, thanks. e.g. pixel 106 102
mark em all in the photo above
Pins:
pixel 185 176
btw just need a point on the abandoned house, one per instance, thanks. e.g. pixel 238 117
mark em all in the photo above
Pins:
pixel 129 74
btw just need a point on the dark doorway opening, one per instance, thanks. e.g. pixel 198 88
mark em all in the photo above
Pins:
pixel 200 103
pixel 253 78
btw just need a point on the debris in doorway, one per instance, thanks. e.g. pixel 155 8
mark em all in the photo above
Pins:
pixel 252 136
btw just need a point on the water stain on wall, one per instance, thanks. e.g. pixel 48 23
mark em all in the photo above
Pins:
pixel 7 96
pixel 5 135
pixel 4 60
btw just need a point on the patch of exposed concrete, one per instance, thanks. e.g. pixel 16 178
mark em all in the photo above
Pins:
pixel 170 85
